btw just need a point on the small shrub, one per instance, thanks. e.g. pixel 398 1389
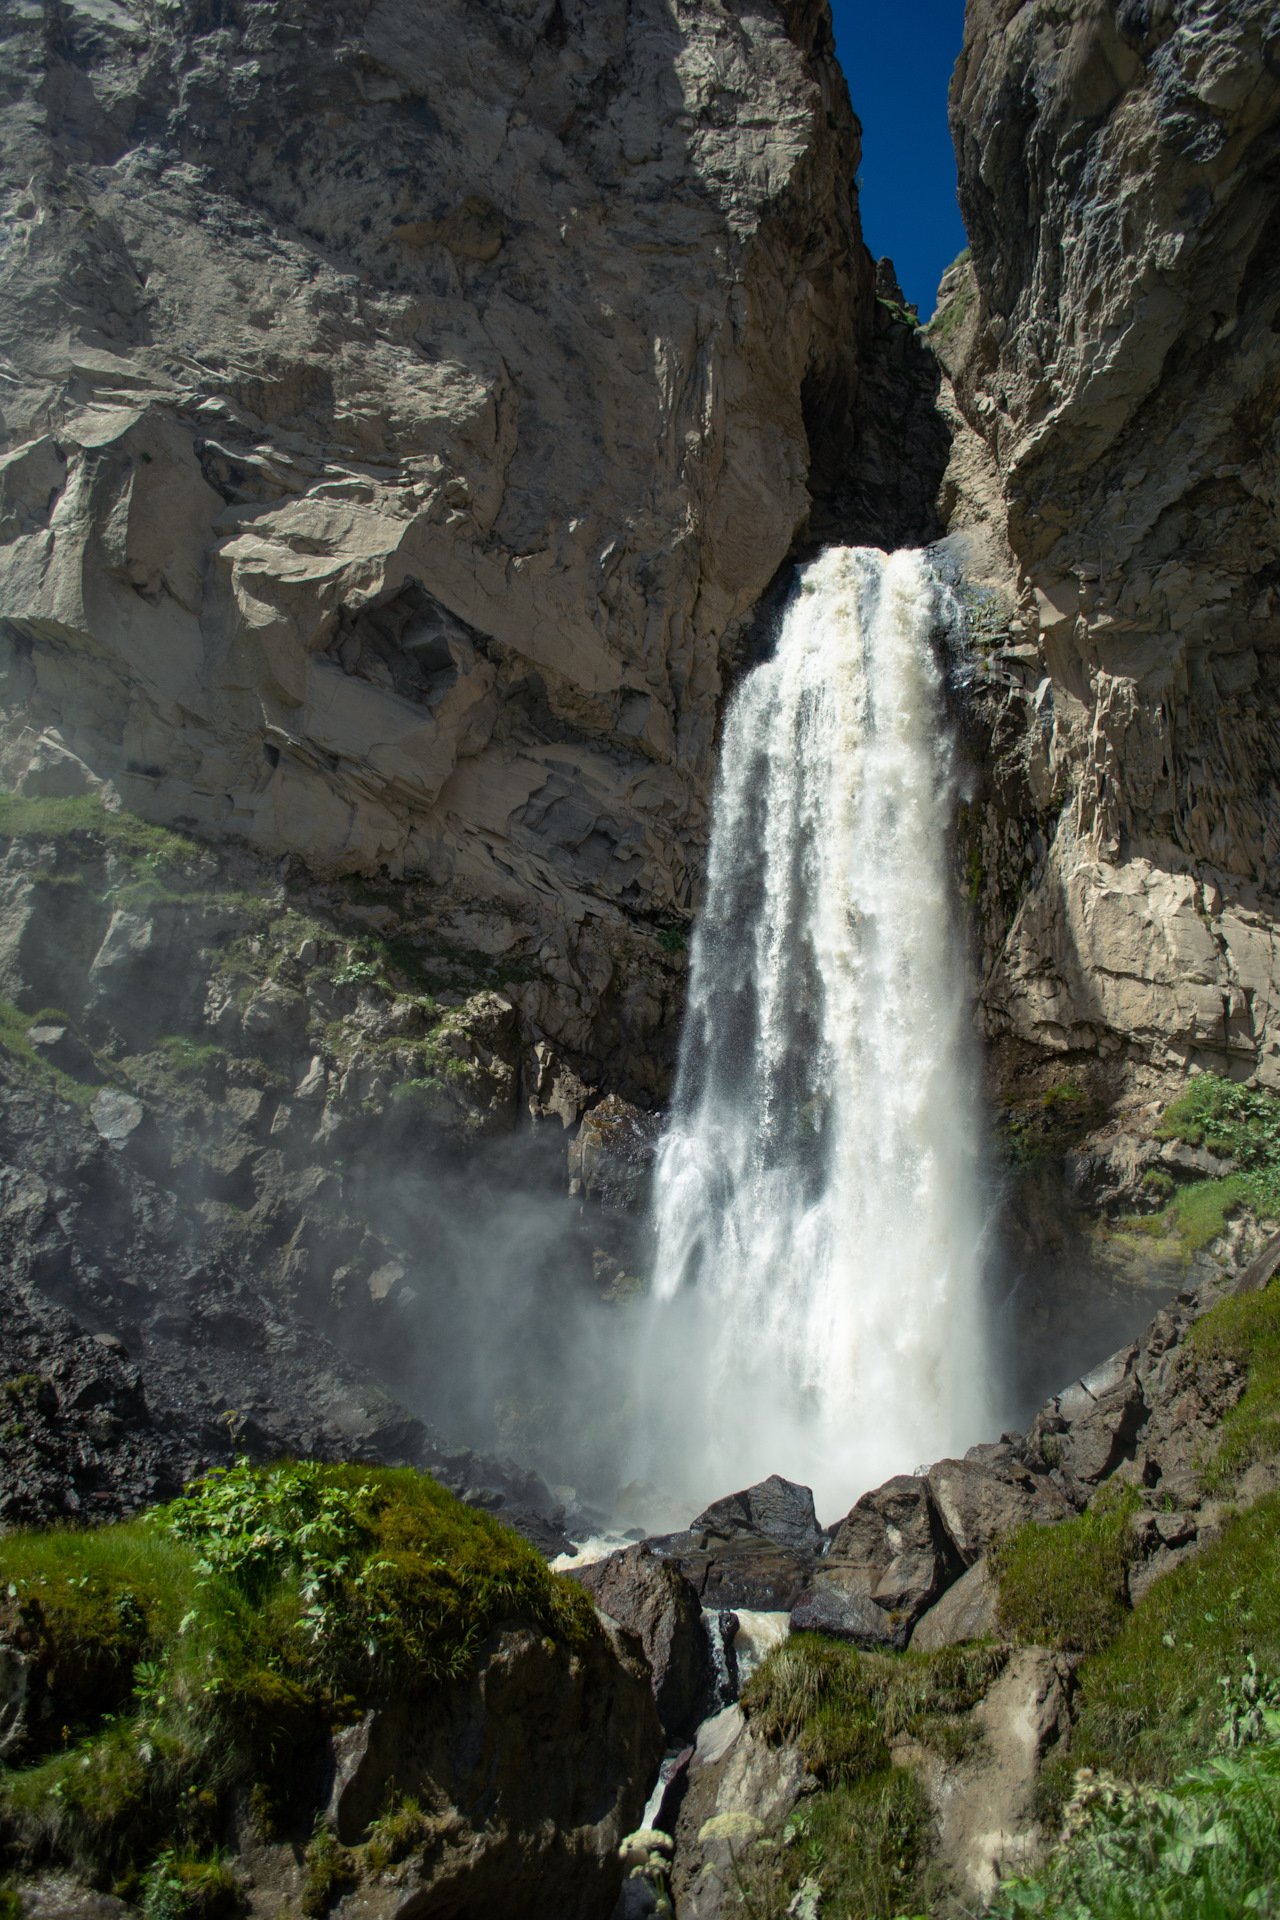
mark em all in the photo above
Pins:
pixel 331 1871
pixel 1067 1585
pixel 402 1830
pixel 187 1887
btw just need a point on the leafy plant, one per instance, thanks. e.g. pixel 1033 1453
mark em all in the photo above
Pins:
pixel 203 1651
pixel 184 1886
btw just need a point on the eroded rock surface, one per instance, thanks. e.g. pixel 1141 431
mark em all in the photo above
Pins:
pixel 1117 369
pixel 400 426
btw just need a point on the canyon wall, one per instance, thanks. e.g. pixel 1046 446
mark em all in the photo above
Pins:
pixel 401 426
pixel 1112 343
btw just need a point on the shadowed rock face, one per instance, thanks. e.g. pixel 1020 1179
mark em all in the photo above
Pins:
pixel 1119 367
pixel 399 425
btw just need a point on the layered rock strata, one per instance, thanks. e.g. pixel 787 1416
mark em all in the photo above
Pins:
pixel 400 426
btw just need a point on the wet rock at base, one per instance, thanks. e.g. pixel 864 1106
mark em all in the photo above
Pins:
pixel 754 1549
pixel 779 1509
pixel 651 1598
pixel 536 1767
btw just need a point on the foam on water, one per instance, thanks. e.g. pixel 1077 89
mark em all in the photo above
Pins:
pixel 819 1223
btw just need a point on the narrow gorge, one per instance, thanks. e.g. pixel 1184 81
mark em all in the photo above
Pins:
pixel 639 992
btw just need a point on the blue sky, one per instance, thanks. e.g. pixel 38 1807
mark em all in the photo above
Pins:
pixel 897 56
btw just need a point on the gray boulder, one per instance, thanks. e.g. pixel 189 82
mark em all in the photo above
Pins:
pixel 651 1598
pixel 890 1559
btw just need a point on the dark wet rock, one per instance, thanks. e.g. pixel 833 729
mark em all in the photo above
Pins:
pixel 612 1154
pixel 845 1610
pixel 753 1549
pixel 779 1509
pixel 1085 1431
pixel 652 1599
pixel 538 1763
pixel 747 1571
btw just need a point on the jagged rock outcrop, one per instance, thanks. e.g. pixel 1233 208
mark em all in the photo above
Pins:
pixel 1116 363
pixel 400 424
pixel 254 1136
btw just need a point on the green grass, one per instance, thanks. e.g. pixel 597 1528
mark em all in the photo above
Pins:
pixel 1152 1698
pixel 22 817
pixel 30 1064
pixel 189 1059
pixel 1243 1331
pixel 861 1843
pixel 1066 1585
pixel 196 1654
pixel 1237 1123
pixel 947 320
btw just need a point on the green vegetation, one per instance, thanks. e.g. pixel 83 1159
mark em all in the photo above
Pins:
pixel 861 1843
pixel 1207 1848
pixel 1238 1124
pixel 1067 1585
pixel 195 1655
pixel 332 1870
pixel 185 1886
pixel 1049 1123
pixel 1151 1700
pixel 26 1060
pixel 150 848
pixel 896 311
pixel 948 320
pixel 1243 1332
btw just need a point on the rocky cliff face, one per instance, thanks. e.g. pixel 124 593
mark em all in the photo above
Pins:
pixel 400 426
pixel 1113 345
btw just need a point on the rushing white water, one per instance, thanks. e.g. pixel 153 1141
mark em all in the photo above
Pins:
pixel 818 1278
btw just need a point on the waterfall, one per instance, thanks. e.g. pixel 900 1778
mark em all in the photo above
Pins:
pixel 818 1279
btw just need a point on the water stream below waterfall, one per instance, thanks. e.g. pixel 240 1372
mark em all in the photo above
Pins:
pixel 818 1304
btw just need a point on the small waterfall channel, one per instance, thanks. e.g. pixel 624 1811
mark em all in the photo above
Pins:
pixel 818 1291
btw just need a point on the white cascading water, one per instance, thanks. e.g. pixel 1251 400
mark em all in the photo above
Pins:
pixel 819 1222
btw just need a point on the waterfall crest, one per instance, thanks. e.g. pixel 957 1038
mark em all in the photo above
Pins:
pixel 818 1279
